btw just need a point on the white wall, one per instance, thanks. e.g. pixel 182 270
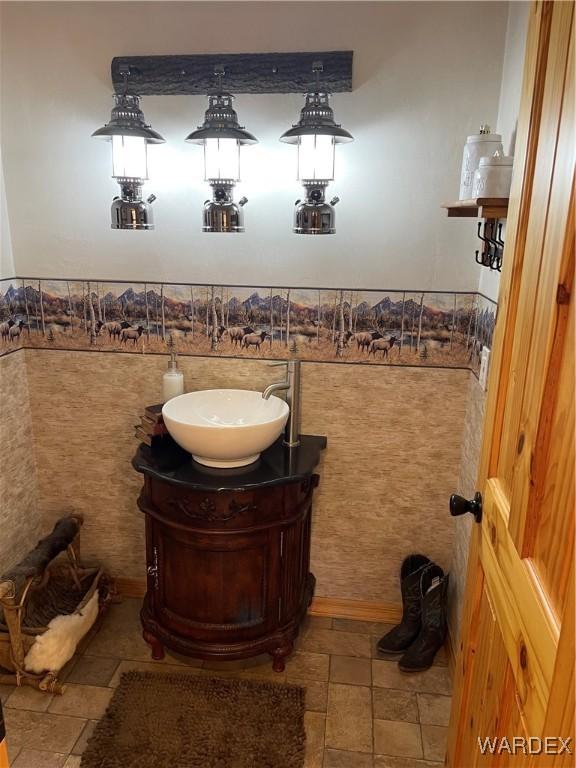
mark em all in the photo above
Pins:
pixel 6 256
pixel 509 106
pixel 424 77
pixel 7 268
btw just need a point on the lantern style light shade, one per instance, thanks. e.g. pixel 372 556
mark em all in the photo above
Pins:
pixel 221 159
pixel 129 157
pixel 316 157
pixel 316 135
pixel 222 138
pixel 130 136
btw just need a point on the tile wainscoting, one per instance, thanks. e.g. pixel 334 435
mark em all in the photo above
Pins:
pixel 20 515
pixel 415 328
pixel 470 456
pixel 393 456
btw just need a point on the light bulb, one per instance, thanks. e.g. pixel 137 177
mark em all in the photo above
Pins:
pixel 129 157
pixel 316 157
pixel 221 159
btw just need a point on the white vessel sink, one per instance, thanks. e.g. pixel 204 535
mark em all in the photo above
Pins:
pixel 225 427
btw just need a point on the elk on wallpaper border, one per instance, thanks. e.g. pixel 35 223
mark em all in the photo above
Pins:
pixel 410 328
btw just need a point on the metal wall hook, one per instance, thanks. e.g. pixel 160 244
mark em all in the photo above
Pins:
pixel 496 263
pixel 500 243
pixel 493 247
pixel 491 237
pixel 489 228
pixel 486 258
pixel 497 243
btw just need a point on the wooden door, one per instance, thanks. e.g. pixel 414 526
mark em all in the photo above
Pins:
pixel 514 674
pixel 3 748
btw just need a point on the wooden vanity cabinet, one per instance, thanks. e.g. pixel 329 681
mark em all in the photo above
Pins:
pixel 228 571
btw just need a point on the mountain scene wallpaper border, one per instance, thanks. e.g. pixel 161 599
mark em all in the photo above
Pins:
pixel 437 329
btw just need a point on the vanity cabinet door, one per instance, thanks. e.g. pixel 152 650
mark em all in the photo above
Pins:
pixel 295 554
pixel 211 586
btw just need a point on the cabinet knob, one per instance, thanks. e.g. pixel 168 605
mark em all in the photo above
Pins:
pixel 459 506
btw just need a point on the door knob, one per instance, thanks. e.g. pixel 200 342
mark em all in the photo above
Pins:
pixel 459 506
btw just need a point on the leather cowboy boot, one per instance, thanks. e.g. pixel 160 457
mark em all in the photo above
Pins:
pixel 399 639
pixel 434 594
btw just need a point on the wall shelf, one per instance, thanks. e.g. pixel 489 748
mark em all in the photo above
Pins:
pixel 478 208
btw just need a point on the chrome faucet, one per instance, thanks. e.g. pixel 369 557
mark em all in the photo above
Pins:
pixel 292 388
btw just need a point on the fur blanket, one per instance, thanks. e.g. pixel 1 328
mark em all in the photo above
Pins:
pixel 57 645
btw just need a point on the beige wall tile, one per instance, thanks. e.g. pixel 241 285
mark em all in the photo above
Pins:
pixel 349 718
pixel 20 512
pixel 471 445
pixel 393 454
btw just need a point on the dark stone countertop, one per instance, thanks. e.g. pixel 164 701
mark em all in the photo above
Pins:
pixel 277 465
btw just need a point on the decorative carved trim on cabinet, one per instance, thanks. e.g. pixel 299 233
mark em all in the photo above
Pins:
pixel 208 510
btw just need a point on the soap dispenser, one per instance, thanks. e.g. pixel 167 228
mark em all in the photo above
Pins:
pixel 173 379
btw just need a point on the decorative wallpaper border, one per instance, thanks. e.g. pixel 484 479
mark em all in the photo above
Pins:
pixel 438 329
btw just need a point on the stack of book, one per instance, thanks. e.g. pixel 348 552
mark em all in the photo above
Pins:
pixel 151 429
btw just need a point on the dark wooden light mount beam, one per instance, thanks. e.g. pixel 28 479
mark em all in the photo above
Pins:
pixel 245 72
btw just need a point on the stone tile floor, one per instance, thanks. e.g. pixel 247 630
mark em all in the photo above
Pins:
pixel 362 712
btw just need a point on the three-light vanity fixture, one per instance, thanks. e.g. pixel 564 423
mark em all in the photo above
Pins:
pixel 223 138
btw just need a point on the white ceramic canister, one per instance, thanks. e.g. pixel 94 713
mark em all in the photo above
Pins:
pixel 482 144
pixel 493 176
